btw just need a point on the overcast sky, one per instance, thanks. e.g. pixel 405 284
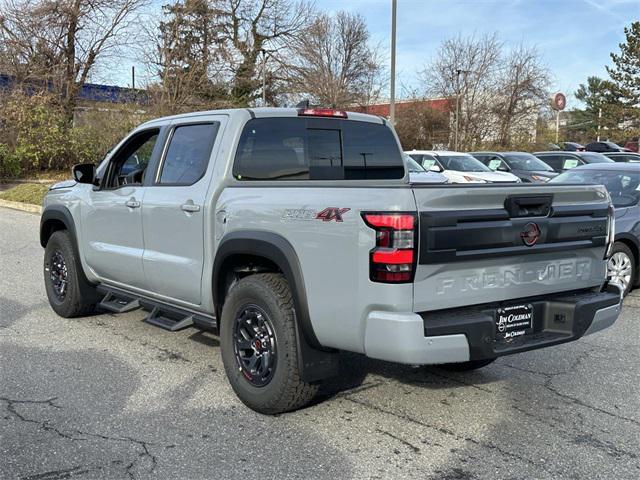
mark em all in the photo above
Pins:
pixel 574 37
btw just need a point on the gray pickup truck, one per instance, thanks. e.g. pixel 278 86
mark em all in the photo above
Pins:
pixel 297 233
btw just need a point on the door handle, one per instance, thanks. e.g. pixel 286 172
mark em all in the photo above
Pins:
pixel 190 207
pixel 132 203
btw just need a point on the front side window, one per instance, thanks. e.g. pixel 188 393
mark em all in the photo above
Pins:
pixel 316 149
pixel 188 154
pixel 129 164
pixel 570 163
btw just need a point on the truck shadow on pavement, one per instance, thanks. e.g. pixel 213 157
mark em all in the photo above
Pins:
pixel 13 311
pixel 356 368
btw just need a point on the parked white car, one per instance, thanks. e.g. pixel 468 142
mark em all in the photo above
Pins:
pixel 460 167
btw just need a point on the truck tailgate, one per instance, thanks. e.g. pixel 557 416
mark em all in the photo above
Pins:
pixel 488 243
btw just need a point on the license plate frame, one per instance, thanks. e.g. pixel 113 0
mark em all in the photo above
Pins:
pixel 513 321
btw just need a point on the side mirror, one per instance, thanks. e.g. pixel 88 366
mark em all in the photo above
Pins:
pixel 502 168
pixel 435 168
pixel 84 173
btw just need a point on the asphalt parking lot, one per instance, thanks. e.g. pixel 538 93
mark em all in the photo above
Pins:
pixel 109 396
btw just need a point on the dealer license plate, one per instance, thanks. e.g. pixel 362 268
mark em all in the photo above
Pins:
pixel 513 321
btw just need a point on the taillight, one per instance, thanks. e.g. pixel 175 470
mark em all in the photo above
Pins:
pixel 393 260
pixel 321 112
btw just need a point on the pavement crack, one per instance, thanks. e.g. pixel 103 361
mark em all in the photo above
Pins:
pixel 548 386
pixel 454 435
pixel 42 424
pixel 411 446
pixel 142 447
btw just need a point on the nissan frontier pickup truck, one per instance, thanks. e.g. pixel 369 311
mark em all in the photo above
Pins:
pixel 297 233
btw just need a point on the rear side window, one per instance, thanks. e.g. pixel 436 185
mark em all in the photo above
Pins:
pixel 316 149
pixel 188 154
pixel 554 161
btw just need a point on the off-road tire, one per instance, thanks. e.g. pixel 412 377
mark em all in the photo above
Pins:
pixel 80 297
pixel 467 366
pixel 285 391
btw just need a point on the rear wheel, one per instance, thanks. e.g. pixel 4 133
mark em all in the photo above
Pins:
pixel 259 348
pixel 621 267
pixel 467 366
pixel 69 294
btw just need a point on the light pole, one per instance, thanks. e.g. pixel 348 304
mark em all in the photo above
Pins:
pixel 392 87
pixel 458 72
pixel 264 77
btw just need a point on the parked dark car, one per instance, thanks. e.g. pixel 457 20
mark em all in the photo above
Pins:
pixel 572 147
pixel 603 147
pixel 527 167
pixel 623 156
pixel 623 183
pixel 563 161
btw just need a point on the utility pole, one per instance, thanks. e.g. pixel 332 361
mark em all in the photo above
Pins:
pixel 264 77
pixel 133 77
pixel 392 87
pixel 458 73
pixel 455 143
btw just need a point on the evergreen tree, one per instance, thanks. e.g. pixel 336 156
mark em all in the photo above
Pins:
pixel 625 73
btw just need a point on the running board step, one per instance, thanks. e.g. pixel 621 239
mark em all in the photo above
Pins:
pixel 118 303
pixel 169 321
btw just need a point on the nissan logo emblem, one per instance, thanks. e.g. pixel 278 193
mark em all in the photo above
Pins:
pixel 530 234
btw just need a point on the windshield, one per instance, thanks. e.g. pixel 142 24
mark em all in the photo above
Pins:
pixel 462 163
pixel 623 186
pixel 526 162
pixel 593 157
pixel 412 165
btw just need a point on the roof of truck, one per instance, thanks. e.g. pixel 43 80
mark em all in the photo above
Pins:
pixel 263 112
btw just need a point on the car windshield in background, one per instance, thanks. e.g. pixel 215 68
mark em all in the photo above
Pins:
pixel 462 163
pixel 593 157
pixel 412 165
pixel 526 162
pixel 623 186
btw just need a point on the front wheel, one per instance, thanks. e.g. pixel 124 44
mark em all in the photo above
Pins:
pixel 69 294
pixel 621 267
pixel 259 348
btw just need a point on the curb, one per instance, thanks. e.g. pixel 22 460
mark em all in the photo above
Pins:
pixel 24 207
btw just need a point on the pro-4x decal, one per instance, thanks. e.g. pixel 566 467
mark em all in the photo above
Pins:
pixel 332 213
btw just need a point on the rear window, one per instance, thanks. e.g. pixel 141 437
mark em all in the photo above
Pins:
pixel 316 149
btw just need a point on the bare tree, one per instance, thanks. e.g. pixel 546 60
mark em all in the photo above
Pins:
pixel 250 28
pixel 59 42
pixel 333 62
pixel 464 69
pixel 421 127
pixel 523 85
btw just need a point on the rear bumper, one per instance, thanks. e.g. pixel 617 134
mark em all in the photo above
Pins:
pixel 463 334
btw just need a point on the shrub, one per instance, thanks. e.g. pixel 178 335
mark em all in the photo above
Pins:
pixel 9 162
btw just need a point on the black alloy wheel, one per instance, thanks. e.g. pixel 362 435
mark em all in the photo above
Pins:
pixel 255 345
pixel 56 267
